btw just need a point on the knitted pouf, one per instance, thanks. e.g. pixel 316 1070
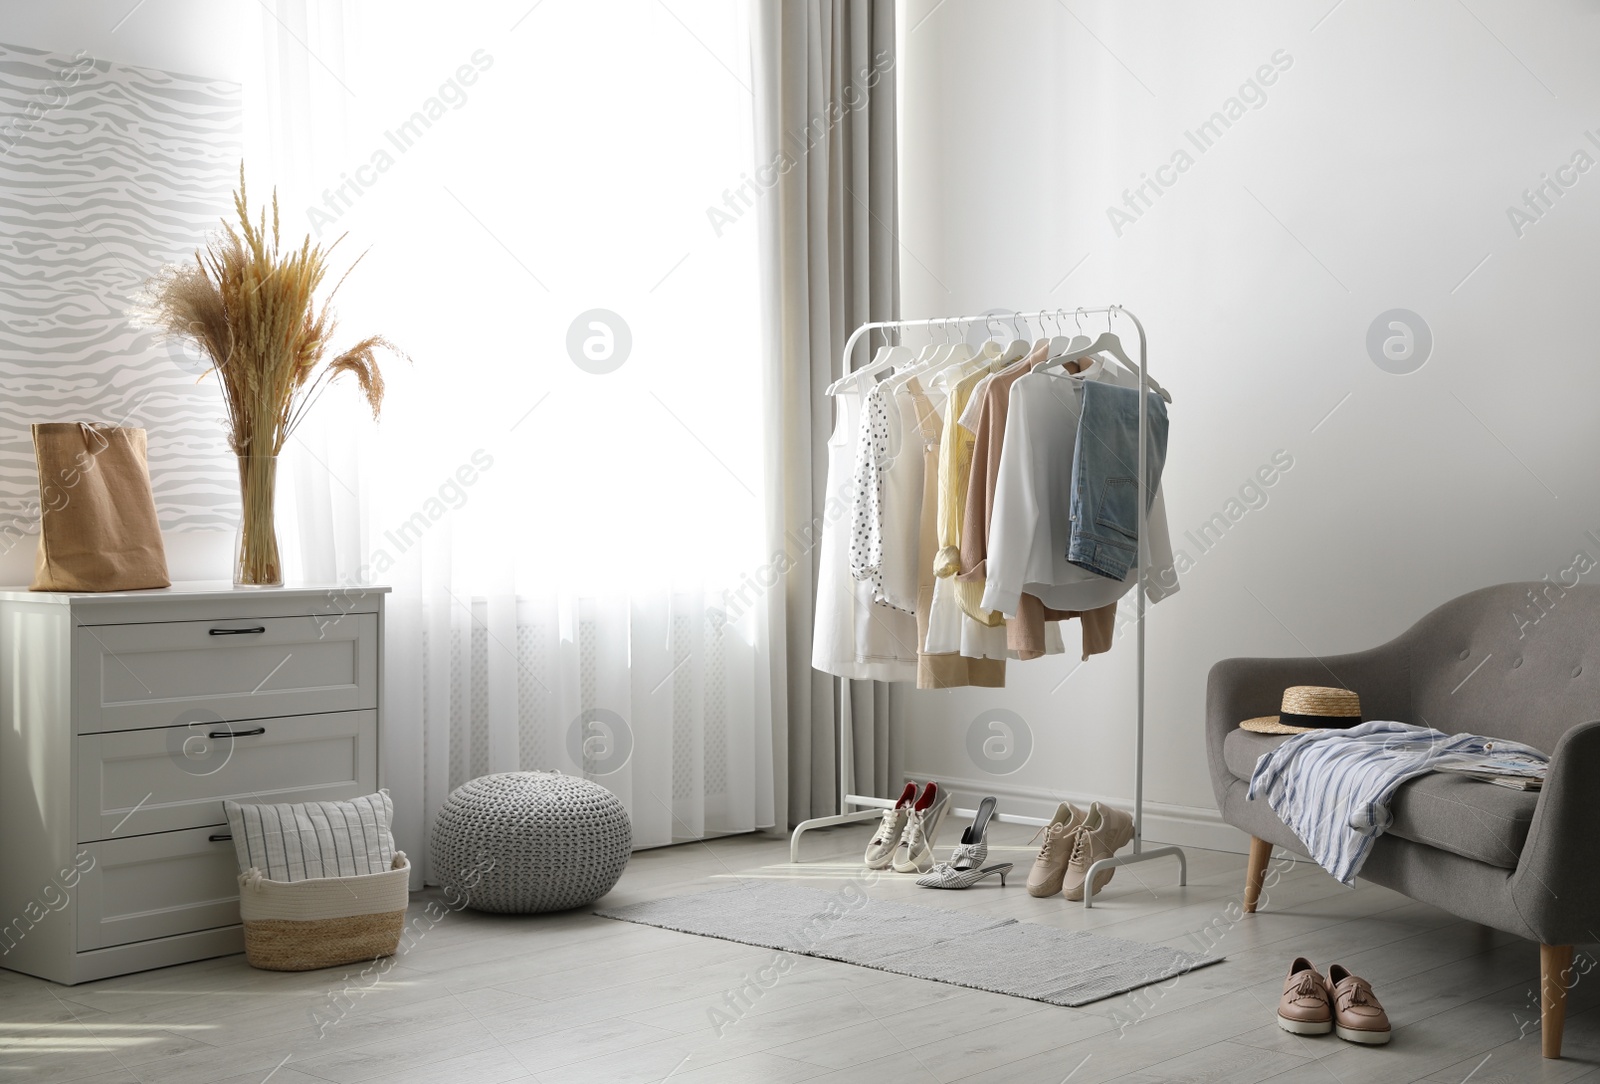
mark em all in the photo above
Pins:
pixel 523 842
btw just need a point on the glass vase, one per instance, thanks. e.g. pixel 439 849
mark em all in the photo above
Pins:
pixel 256 562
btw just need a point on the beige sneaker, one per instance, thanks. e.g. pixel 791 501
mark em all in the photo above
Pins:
pixel 1105 830
pixel 1119 826
pixel 1051 864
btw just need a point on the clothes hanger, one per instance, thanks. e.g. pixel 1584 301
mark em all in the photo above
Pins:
pixel 930 349
pixel 1020 328
pixel 989 326
pixel 994 358
pixel 919 362
pixel 887 357
pixel 1070 349
pixel 1061 344
pixel 1109 344
pixel 991 354
pixel 988 356
pixel 879 362
pixel 956 352
pixel 1043 341
pixel 1014 350
pixel 945 354
pixel 1046 341
pixel 934 359
pixel 990 351
pixel 1051 343
pixel 930 359
pixel 934 354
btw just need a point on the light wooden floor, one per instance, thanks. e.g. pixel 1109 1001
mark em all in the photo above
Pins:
pixel 577 998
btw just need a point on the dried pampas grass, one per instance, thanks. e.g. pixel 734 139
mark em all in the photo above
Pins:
pixel 251 308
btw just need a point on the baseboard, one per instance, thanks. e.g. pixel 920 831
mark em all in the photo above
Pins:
pixel 1180 825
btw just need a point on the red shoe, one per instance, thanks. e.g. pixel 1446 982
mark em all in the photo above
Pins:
pixel 915 853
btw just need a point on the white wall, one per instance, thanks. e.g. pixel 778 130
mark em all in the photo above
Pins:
pixel 1376 175
pixel 200 37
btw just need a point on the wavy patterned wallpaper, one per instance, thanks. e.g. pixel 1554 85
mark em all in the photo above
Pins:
pixel 107 172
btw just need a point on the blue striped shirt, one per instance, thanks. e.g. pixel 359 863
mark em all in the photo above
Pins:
pixel 1332 787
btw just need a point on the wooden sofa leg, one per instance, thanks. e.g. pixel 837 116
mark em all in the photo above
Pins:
pixel 1555 964
pixel 1260 854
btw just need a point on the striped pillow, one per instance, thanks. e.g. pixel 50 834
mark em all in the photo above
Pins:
pixel 314 839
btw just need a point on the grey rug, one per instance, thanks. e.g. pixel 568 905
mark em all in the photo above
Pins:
pixel 1000 955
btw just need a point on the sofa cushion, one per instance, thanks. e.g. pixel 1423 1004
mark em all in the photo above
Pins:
pixel 1464 816
pixel 1242 748
pixel 1476 820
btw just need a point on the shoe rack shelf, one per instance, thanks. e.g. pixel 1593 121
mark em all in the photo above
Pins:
pixel 858 808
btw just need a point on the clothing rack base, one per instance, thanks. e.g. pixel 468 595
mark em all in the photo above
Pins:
pixel 859 808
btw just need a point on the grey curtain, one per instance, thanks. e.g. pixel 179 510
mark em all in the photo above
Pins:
pixel 824 86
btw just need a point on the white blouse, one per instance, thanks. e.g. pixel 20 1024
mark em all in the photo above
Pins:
pixel 852 637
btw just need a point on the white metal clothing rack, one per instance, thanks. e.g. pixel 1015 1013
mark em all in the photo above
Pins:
pixel 858 807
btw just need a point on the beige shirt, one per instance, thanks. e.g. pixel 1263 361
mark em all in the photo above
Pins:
pixel 980 489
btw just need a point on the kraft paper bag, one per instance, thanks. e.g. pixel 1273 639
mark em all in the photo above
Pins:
pixel 97 515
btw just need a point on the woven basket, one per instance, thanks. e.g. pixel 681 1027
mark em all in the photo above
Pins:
pixel 323 921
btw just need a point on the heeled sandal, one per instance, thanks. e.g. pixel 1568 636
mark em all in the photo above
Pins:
pixel 966 867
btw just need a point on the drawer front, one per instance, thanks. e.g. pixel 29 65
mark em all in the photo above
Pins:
pixel 135 782
pixel 156 886
pixel 172 673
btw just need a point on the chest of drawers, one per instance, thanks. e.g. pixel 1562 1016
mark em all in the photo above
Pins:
pixel 125 721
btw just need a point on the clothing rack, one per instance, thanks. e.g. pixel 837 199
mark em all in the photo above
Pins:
pixel 858 807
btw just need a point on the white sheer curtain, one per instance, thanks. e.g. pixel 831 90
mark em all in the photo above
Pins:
pixel 567 489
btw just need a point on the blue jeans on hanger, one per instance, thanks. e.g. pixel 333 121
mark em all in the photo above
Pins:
pixel 1105 473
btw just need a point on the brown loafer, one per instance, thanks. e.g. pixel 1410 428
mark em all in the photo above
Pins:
pixel 1305 1007
pixel 1357 1015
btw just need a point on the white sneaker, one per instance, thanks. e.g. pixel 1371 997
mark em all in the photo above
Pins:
pixel 915 853
pixel 880 852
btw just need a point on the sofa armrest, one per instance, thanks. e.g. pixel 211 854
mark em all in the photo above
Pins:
pixel 1240 689
pixel 1557 883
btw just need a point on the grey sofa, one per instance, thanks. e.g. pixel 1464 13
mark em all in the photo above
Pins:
pixel 1518 661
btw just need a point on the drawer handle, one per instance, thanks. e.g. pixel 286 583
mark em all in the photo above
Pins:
pixel 223 838
pixel 215 734
pixel 238 632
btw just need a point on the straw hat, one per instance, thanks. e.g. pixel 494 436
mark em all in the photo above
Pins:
pixel 1309 707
